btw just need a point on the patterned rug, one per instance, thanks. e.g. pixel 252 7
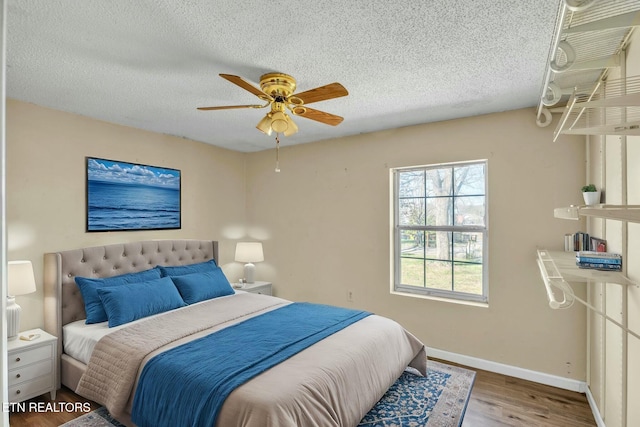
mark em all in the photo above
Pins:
pixel 98 418
pixel 437 400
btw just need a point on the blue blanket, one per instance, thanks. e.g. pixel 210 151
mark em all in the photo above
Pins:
pixel 187 385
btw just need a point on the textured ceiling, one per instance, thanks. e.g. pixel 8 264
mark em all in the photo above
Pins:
pixel 149 63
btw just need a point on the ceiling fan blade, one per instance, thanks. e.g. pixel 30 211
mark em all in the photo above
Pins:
pixel 246 86
pixel 318 116
pixel 231 107
pixel 322 93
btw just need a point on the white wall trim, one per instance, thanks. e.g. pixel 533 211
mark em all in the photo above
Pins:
pixel 594 408
pixel 512 371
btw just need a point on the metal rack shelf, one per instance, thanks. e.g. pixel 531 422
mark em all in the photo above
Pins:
pixel 587 43
pixel 612 107
pixel 629 213
pixel 558 269
pixel 562 266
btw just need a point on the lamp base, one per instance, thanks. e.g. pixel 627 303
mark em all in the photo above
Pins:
pixel 249 272
pixel 13 318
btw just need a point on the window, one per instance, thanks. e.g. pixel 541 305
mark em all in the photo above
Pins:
pixel 440 230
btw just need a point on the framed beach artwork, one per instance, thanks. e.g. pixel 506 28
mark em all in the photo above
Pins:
pixel 125 196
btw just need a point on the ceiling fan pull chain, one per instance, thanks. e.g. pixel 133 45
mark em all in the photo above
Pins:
pixel 277 153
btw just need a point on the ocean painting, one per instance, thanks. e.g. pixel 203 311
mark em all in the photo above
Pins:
pixel 125 196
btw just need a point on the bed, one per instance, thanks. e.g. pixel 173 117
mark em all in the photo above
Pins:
pixel 332 382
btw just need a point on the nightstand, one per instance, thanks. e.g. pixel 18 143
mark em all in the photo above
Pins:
pixel 256 287
pixel 32 370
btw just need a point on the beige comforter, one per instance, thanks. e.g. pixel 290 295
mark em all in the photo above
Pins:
pixel 332 383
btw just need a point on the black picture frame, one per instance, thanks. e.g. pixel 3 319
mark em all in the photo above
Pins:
pixel 124 196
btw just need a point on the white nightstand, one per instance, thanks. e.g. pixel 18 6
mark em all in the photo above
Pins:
pixel 256 287
pixel 32 370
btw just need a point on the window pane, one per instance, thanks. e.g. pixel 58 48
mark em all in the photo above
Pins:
pixel 439 247
pixel 440 211
pixel 431 240
pixel 411 184
pixel 467 278
pixel 431 200
pixel 438 182
pixel 412 271
pixel 412 243
pixel 411 211
pixel 439 275
pixel 467 247
pixel 469 180
pixel 469 210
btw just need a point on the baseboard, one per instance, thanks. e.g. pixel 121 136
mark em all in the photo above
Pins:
pixel 594 408
pixel 512 371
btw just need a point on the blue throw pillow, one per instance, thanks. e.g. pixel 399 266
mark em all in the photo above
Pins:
pixel 181 270
pixel 198 287
pixel 126 303
pixel 89 290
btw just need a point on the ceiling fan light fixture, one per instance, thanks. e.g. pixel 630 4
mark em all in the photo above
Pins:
pixel 293 128
pixel 277 90
pixel 279 122
pixel 264 125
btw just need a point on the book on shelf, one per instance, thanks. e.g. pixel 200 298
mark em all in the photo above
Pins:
pixel 599 260
pixel 593 254
pixel 581 241
pixel 599 266
pixel 614 261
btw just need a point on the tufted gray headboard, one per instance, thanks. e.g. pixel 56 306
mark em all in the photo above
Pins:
pixel 62 299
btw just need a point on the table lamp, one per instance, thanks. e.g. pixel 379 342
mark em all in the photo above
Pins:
pixel 20 281
pixel 249 252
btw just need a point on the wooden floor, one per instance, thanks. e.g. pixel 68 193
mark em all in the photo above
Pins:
pixel 496 400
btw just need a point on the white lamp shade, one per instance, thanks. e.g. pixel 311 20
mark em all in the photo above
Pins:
pixel 249 252
pixel 20 278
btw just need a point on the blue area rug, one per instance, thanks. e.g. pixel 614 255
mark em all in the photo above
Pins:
pixel 437 400
pixel 98 418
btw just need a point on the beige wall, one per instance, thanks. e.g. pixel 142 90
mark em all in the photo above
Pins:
pixel 325 220
pixel 46 152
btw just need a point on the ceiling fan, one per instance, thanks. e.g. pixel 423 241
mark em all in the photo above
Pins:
pixel 277 91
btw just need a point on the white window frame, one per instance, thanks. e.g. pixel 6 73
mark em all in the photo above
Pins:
pixel 411 290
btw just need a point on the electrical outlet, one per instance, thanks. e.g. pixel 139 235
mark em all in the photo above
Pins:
pixel 350 295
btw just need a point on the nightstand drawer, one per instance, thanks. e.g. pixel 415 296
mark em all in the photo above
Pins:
pixel 30 389
pixel 263 288
pixel 27 373
pixel 32 368
pixel 24 357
